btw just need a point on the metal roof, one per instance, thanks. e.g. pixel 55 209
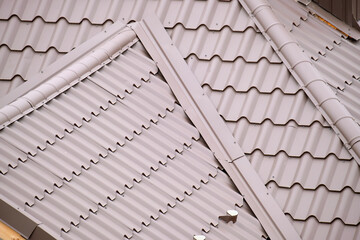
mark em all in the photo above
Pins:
pixel 303 169
pixel 111 147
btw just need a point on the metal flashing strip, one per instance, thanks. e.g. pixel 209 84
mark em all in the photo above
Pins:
pixel 306 74
pixel 203 114
pixel 25 224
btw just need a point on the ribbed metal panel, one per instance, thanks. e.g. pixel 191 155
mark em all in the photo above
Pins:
pixel 311 228
pixel 41 36
pixel 324 205
pixel 192 14
pixel 242 75
pixel 205 44
pixel 307 171
pixel 257 107
pixel 24 63
pixel 294 140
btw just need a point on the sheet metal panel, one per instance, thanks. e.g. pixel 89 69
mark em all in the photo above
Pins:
pixel 191 14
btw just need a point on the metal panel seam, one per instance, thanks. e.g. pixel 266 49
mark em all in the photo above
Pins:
pixel 203 114
pixel 306 74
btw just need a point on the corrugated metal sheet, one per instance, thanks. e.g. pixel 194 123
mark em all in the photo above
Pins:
pixel 205 44
pixel 242 75
pixel 291 138
pixel 307 171
pixel 41 36
pixel 6 86
pixel 325 205
pixel 24 63
pixel 245 225
pixel 313 229
pixel 277 107
pixel 181 219
pixel 114 147
pixel 214 14
pixel 340 66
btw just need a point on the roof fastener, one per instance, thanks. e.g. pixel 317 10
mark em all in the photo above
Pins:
pixel 230 217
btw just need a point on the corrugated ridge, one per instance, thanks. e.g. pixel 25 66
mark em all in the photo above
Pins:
pixel 307 171
pixel 311 229
pixel 80 103
pixel 192 14
pixel 95 150
pixel 291 138
pixel 7 86
pixel 325 206
pixel 193 208
pixel 205 44
pixel 123 172
pixel 257 107
pixel 42 36
pixel 322 39
pixel 292 16
pixel 246 227
pixel 242 75
pixel 339 65
pixel 24 63
pixel 350 98
pixel 32 142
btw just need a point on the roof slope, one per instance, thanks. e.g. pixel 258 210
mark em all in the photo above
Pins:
pixel 300 165
pixel 114 150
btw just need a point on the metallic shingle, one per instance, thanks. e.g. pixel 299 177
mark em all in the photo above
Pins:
pixel 206 44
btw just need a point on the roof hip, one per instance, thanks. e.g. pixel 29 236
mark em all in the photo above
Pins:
pixel 306 74
pixel 206 119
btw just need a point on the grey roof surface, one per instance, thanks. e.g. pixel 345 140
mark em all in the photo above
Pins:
pixel 114 155
pixel 301 170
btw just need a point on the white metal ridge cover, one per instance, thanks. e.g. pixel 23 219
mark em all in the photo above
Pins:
pixel 67 71
pixel 207 120
pixel 306 74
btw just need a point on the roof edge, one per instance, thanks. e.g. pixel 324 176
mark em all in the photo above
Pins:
pixel 66 72
pixel 306 74
pixel 207 120
pixel 25 224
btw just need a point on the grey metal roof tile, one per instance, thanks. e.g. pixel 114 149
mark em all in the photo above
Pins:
pixel 293 139
pixel 205 44
pixel 24 63
pixel 27 182
pixel 7 86
pixel 309 172
pixel 350 98
pixel 337 68
pixel 145 198
pixel 244 228
pixel 293 14
pixel 242 75
pixel 256 107
pixel 213 14
pixel 324 205
pixel 182 221
pixel 9 156
pixel 40 35
pixel 311 228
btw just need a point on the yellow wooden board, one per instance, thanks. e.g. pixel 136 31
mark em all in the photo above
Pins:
pixel 6 233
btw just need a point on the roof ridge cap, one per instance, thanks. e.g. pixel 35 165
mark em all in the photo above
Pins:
pixel 306 74
pixel 66 72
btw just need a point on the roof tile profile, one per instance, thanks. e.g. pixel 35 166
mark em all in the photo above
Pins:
pixel 113 148
pixel 147 139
